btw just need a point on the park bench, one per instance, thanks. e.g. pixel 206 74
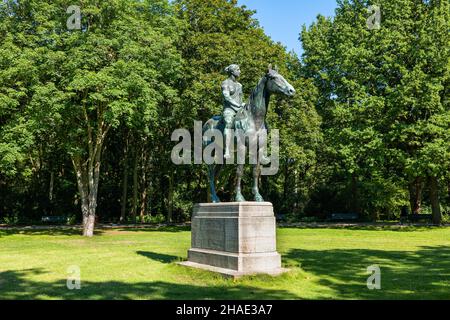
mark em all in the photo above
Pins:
pixel 54 219
pixel 419 217
pixel 344 217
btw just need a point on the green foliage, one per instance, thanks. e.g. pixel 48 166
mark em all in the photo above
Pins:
pixel 158 219
pixel 65 90
pixel 147 219
pixel 371 115
pixel 71 220
pixel 10 220
pixel 219 33
pixel 383 97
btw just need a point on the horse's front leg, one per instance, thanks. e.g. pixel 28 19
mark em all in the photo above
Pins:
pixel 239 174
pixel 212 183
pixel 263 158
pixel 256 175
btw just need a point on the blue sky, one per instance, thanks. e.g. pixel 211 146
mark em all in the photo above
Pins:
pixel 282 19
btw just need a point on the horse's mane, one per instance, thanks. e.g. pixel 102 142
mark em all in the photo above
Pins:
pixel 255 92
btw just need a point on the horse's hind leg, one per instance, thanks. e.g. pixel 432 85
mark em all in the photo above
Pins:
pixel 239 174
pixel 256 175
pixel 212 183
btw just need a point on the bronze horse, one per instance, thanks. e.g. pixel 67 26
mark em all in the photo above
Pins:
pixel 251 119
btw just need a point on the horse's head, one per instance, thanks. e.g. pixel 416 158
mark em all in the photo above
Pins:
pixel 276 83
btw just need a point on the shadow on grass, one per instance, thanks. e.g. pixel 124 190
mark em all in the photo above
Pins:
pixel 422 274
pixel 164 258
pixel 17 285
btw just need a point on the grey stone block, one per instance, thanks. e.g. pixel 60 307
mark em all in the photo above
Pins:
pixel 234 239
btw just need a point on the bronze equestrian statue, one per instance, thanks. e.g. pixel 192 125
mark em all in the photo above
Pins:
pixel 250 118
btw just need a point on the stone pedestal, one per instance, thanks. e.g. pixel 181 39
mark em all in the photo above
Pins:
pixel 235 239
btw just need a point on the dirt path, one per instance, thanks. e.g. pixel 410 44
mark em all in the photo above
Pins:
pixel 373 225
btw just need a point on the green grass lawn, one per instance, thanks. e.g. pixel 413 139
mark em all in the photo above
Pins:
pixel 328 263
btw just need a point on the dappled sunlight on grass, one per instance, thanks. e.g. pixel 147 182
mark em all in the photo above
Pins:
pixel 326 263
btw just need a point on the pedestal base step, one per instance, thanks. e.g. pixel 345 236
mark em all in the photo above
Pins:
pixel 231 273
pixel 250 262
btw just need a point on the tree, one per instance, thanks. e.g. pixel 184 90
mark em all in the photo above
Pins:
pixel 218 33
pixel 88 81
pixel 381 93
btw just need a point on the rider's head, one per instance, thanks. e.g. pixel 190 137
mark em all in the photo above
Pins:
pixel 234 70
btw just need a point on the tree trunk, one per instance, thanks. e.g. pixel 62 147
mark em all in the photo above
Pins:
pixel 143 185
pixel 285 184
pixel 355 198
pixel 50 191
pixel 52 183
pixel 143 204
pixel 415 195
pixel 135 185
pixel 170 199
pixel 295 191
pixel 88 169
pixel 124 183
pixel 150 185
pixel 434 199
pixel 448 191
pixel 83 190
pixel 87 181
pixel 88 230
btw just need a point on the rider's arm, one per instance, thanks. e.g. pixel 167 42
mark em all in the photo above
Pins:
pixel 227 96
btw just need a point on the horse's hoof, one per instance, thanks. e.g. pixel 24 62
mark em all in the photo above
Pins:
pixel 240 198
pixel 259 198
